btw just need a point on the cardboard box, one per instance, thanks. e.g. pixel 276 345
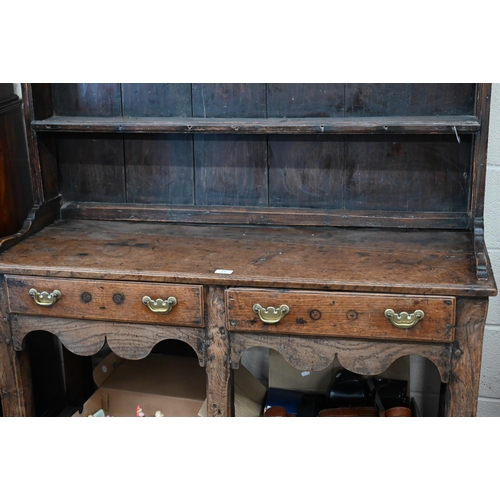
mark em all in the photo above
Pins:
pixel 174 385
pixel 249 395
pixel 282 375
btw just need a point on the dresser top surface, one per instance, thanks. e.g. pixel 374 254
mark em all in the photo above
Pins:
pixel 341 259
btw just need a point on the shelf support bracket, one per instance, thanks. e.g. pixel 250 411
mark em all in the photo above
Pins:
pixel 480 251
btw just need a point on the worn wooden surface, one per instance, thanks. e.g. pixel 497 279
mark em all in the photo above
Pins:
pixel 335 314
pixel 107 300
pixel 230 170
pixel 84 337
pixel 389 99
pixel 39 217
pixel 229 100
pixel 156 99
pixel 349 174
pixel 15 373
pixel 220 390
pixel 159 169
pixel 274 216
pixel 37 101
pixel 306 171
pixel 479 162
pixel 460 399
pixel 418 173
pixel 273 99
pixel 298 100
pixel 479 159
pixel 407 166
pixel 86 99
pixel 91 168
pixel 264 216
pixel 341 259
pixel 366 357
pixel 387 156
pixel 483 265
pixel 347 125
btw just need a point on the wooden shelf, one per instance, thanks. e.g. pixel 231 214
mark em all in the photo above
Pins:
pixel 349 125
pixel 263 216
pixel 342 259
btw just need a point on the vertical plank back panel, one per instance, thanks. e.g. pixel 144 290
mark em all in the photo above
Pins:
pixel 229 100
pixel 380 172
pixel 377 99
pixel 87 99
pixel 230 170
pixel 396 99
pixel 306 171
pixel 91 167
pixel 439 175
pixel 156 99
pixel 305 100
pixel 442 99
pixel 159 167
pixel 406 173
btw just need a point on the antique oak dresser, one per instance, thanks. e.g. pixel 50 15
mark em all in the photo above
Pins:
pixel 318 220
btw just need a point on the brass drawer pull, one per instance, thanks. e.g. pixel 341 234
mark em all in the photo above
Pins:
pixel 403 319
pixel 45 299
pixel 271 315
pixel 159 306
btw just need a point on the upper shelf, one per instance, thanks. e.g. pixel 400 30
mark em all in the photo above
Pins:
pixel 350 125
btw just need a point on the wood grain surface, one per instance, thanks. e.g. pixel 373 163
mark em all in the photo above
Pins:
pixel 15 370
pixel 341 314
pixel 461 394
pixel 107 300
pixel 366 357
pixel 220 384
pixel 85 338
pixel 347 125
pixel 340 259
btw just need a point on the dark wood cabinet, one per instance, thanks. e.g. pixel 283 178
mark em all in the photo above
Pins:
pixel 319 220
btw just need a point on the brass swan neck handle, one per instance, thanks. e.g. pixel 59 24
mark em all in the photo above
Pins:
pixel 270 315
pixel 404 319
pixel 45 299
pixel 159 306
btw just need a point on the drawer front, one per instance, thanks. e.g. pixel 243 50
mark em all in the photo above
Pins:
pixel 342 314
pixel 107 300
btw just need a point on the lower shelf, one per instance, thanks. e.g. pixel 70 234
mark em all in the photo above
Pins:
pixel 171 385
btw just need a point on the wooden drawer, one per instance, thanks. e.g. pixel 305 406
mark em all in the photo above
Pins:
pixel 342 314
pixel 107 300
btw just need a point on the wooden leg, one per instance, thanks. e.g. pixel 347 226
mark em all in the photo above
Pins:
pixel 15 373
pixel 219 374
pixel 460 398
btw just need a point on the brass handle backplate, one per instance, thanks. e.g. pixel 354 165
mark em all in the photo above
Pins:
pixel 159 306
pixel 45 299
pixel 403 319
pixel 271 315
